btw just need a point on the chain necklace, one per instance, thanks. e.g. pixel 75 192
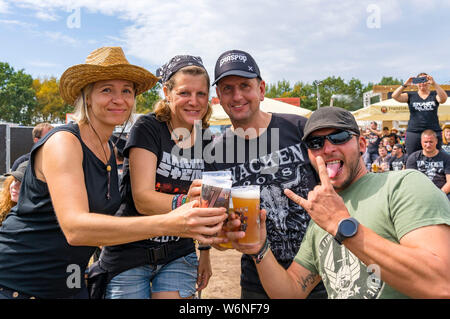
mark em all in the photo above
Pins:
pixel 179 138
pixel 108 165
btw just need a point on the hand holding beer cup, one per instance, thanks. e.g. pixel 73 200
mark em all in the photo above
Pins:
pixel 234 222
pixel 198 223
pixel 195 190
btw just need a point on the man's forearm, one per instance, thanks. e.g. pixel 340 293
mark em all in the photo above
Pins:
pixel 280 283
pixel 413 271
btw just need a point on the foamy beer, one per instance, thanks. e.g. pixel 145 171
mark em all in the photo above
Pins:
pixel 246 206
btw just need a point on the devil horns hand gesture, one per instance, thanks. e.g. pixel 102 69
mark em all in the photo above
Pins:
pixel 324 205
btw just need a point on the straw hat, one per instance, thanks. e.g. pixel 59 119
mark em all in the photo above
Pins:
pixel 106 63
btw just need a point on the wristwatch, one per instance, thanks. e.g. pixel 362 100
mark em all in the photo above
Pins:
pixel 346 228
pixel 260 255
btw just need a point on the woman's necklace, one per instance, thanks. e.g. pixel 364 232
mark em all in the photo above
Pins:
pixel 176 137
pixel 108 165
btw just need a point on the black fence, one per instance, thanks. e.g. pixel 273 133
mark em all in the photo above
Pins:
pixel 14 142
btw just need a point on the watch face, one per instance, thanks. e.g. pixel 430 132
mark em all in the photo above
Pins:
pixel 347 228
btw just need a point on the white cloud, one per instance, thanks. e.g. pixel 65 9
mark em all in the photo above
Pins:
pixel 43 64
pixel 60 37
pixel 291 39
pixel 47 16
pixel 16 23
pixel 3 6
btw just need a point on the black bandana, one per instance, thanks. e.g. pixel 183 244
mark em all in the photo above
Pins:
pixel 177 62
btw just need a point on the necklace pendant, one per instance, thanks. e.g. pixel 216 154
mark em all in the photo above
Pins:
pixel 108 168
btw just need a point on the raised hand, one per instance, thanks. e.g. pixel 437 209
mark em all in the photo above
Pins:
pixel 324 205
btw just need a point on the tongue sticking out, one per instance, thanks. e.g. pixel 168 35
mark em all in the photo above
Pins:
pixel 333 169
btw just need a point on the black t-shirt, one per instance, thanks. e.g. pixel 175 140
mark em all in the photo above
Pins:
pixel 175 170
pixel 276 160
pixel 434 167
pixel 35 257
pixel 423 112
pixel 396 164
pixel 373 140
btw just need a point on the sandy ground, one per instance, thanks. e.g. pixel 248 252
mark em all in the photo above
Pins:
pixel 226 268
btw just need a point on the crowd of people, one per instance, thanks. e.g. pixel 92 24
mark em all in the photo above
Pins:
pixel 329 226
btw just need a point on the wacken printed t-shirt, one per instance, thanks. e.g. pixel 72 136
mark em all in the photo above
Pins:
pixel 276 160
pixel 397 163
pixel 435 168
pixel 423 112
pixel 391 205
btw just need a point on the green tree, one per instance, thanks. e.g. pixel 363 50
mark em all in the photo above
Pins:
pixel 389 80
pixel 50 105
pixel 280 89
pixel 17 97
pixel 146 101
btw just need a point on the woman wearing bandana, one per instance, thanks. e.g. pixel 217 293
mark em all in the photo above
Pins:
pixel 163 170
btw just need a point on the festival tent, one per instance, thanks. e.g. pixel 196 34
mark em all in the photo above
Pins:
pixel 219 117
pixel 391 110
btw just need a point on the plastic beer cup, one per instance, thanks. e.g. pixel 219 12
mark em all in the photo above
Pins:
pixel 246 206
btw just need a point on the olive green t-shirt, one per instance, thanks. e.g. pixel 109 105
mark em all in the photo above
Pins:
pixel 391 204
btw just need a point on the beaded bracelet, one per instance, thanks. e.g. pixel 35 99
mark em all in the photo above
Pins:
pixel 175 201
pixel 178 200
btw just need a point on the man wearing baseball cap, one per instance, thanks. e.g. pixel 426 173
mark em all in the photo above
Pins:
pixel 279 161
pixel 371 235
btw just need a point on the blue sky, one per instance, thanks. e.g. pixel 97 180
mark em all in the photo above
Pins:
pixel 295 40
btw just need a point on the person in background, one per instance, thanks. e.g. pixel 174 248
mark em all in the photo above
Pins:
pixel 371 236
pixel 373 137
pixel 423 107
pixel 398 158
pixel 72 188
pixel 394 134
pixel 431 161
pixel 446 138
pixel 381 164
pixel 39 131
pixel 164 171
pixel 9 194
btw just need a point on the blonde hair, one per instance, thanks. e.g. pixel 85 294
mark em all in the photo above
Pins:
pixel 162 107
pixel 6 203
pixel 81 115
pixel 444 127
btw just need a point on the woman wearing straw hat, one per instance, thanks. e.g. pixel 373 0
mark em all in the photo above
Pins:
pixel 71 186
pixel 164 172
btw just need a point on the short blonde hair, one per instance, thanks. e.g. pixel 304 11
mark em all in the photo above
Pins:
pixel 162 107
pixel 81 115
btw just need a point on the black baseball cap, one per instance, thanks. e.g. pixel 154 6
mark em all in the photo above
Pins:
pixel 236 62
pixel 330 117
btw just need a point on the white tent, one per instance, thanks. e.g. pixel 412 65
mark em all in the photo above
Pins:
pixel 391 110
pixel 219 117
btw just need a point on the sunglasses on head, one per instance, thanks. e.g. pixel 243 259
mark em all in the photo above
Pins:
pixel 336 138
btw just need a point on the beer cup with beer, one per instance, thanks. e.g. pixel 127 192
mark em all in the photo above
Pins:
pixel 246 205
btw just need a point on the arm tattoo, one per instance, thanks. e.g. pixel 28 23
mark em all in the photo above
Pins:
pixel 305 281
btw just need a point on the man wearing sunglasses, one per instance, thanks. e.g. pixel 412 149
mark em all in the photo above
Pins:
pixel 371 235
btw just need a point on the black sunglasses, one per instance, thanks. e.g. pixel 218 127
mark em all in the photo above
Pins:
pixel 336 138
